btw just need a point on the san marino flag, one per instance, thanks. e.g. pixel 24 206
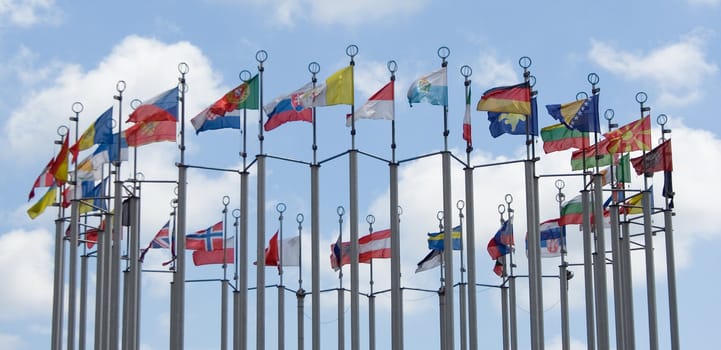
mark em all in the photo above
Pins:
pixel 432 88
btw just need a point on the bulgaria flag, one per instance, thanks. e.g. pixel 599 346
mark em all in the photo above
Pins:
pixel 558 137
pixel 379 106
pixel 572 212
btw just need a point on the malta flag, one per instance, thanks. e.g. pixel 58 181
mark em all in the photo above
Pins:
pixel 376 245
pixel 379 106
pixel 285 253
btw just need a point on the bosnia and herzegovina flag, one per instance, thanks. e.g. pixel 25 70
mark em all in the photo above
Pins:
pixel 225 112
pixel 514 123
pixel 101 131
pixel 431 88
pixel 581 115
pixel 509 99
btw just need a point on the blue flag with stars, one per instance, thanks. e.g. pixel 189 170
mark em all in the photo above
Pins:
pixel 513 123
pixel 581 115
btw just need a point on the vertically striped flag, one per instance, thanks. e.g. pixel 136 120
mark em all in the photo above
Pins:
pixel 467 119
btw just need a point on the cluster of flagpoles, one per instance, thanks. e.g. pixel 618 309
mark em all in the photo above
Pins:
pixel 518 100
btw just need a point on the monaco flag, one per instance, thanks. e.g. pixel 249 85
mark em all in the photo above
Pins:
pixel 379 106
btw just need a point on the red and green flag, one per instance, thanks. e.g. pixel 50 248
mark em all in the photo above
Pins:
pixel 572 212
pixel 588 157
pixel 558 137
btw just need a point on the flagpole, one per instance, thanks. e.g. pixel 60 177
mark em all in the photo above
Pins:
pixel 341 302
pixel 280 207
pixel 224 282
pixel 512 278
pixel 627 284
pixel 641 98
pixel 563 273
pixel 370 219
pixel 600 282
pixel 441 288
pixel 58 273
pixel 241 328
pixel 466 71
pixel 588 270
pixel 670 255
pixel 505 308
pixel 443 53
pixel 177 311
pixel 83 311
pixel 77 107
pixel 261 56
pixel 396 292
pixel 300 293
pixel 462 296
pixel 314 68
pixel 352 51
pixel 236 292
pixel 534 258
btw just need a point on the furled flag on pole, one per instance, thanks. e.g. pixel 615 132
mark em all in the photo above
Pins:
pixel 163 107
pixel 431 88
pixel 667 190
pixel 658 159
pixel 433 259
pixel 144 133
pixel 225 112
pixel 161 240
pixel 337 90
pixel 558 137
pixel 376 245
pixel 47 199
pixel 208 239
pixel 588 156
pixel 500 244
pixel 216 256
pixel 635 136
pixel 290 248
pixel 436 239
pixel 572 212
pixel 379 106
pixel 581 115
pixel 59 169
pixel 508 99
pixel 99 132
pixel 498 268
pixel 514 123
pixel 287 108
pixel 467 134
pixel 553 238
pixel 45 179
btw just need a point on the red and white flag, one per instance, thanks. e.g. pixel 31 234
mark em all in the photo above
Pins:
pixel 290 248
pixel 216 256
pixel 467 119
pixel 379 106
pixel 376 245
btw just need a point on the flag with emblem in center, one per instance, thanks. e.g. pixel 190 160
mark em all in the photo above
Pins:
pixel 635 136
pixel 514 123
pixel 225 112
pixel 581 115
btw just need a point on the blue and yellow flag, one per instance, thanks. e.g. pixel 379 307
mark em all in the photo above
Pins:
pixel 514 123
pixel 435 239
pixel 581 115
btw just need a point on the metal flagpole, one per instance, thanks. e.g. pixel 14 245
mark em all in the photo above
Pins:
pixel 300 293
pixel 314 68
pixel 534 254
pixel 563 273
pixel 241 328
pixel 511 279
pixel 396 292
pixel 83 311
pixel 466 71
pixel 443 53
pixel 260 221
pixel 641 98
pixel 462 297
pixel 627 284
pixel 59 266
pixel 588 269
pixel 505 308
pixel 177 311
pixel 137 269
pixel 224 282
pixel 116 237
pixel 77 107
pixel 236 292
pixel 441 288
pixel 341 302
pixel 670 258
pixel 103 277
pixel 370 219
pixel 352 51
pixel 280 207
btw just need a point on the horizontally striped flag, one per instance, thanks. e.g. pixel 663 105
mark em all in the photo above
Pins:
pixel 558 137
pixel 376 245
pixel 572 212
pixel 379 106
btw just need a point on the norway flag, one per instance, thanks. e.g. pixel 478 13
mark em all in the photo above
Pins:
pixel 208 239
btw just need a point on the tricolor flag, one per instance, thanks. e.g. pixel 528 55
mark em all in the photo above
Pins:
pixel 467 119
pixel 508 99
pixel 337 90
pixel 587 158
pixel 101 131
pixel 290 248
pixel 163 107
pixel 553 238
pixel 658 159
pixel 436 239
pixel 431 88
pixel 376 245
pixel 287 108
pixel 498 268
pixel 144 133
pixel 501 243
pixel 379 106
pixel 45 179
pixel 581 115
pixel 216 256
pixel 433 259
pixel 225 112
pixel 572 212
pixel 558 137
pixel 208 239
pixel 635 136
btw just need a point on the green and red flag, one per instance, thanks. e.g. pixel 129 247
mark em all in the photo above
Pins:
pixel 572 212
pixel 558 137
pixel 589 157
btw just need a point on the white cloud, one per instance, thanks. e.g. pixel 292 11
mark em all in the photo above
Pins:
pixel 25 13
pixel 493 72
pixel 26 265
pixel 678 69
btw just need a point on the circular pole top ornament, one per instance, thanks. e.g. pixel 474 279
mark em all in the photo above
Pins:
pixel 466 71
pixel 609 114
pixel 581 96
pixel 525 62
pixel 662 119
pixel 236 213
pixel 560 184
pixel 244 75
pixel 299 218
pixel 392 66
pixel 63 130
pixel 460 204
pixel 226 200
pixel 120 85
pixel 261 56
pixel 280 207
pixel 370 219
pixel 77 107
pixel 641 97
pixel 183 68
pixel 314 67
pixel 340 210
pixel 593 78
pixel 443 52
pixel 351 51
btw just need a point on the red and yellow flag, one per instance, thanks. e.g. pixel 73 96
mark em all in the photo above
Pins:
pixel 635 136
pixel 59 169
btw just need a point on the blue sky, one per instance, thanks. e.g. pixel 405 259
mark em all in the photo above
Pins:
pixel 54 54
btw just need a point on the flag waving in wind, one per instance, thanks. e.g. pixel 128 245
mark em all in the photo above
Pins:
pixel 581 115
pixel 432 88
pixel 290 248
pixel 45 179
pixel 101 131
pixel 508 99
pixel 208 239
pixel 163 107
pixel 659 159
pixel 337 90
pixel 287 108
pixel 467 135
pixel 376 245
pixel 436 239
pixel 379 106
pixel 225 112
pixel 514 123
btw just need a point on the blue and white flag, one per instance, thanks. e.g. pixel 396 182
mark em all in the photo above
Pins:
pixel 432 88
pixel 552 238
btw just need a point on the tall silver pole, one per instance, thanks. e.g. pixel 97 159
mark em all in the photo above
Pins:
pixel 314 68
pixel 341 292
pixel 466 71
pixel 73 254
pixel 462 296
pixel 504 314
pixel 508 267
pixel 240 334
pixel 177 311
pixel 600 265
pixel 58 286
pixel 396 292
pixel 588 271
pixel 370 219
pixel 236 293
pixel 280 207
pixel 300 293
pixel 260 219
pixel 619 302
pixel 563 273
pixel 627 285
pixel 136 271
pixel 83 310
pixel 224 281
